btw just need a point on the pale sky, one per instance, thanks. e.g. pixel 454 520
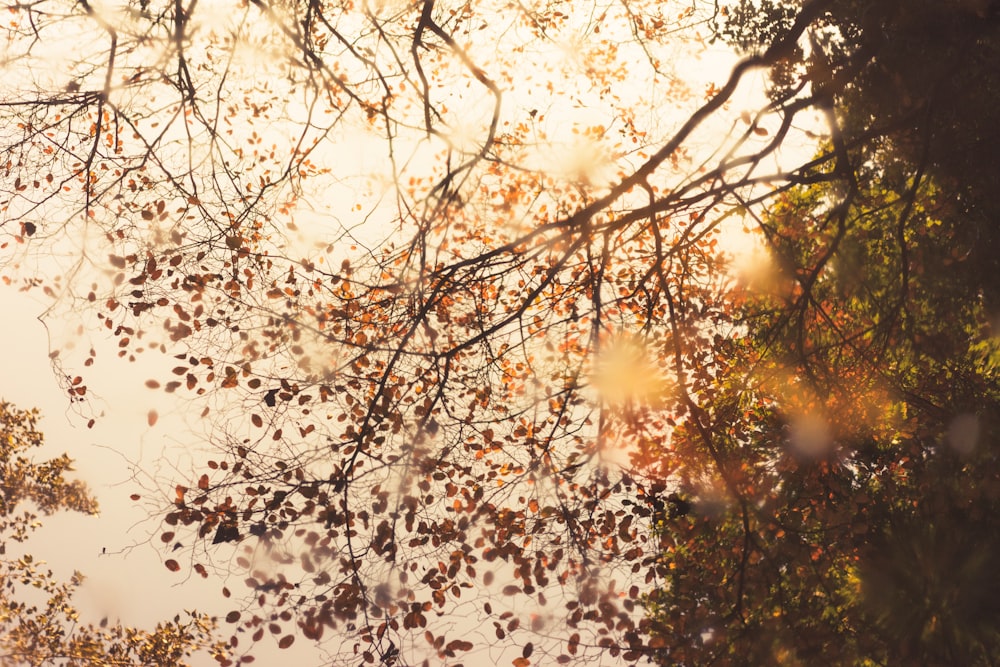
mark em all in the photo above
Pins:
pixel 129 582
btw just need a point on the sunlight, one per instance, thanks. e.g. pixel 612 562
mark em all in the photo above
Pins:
pixel 625 372
pixel 585 161
pixel 809 435
pixel 752 265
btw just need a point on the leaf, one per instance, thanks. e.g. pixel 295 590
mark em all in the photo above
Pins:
pixel 232 616
pixel 151 417
pixel 226 532
pixel 172 565
pixel 286 641
pixel 459 645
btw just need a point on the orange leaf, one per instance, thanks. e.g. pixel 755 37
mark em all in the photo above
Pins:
pixel 152 417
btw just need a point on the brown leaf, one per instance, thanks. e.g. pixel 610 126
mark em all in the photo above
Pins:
pixel 459 645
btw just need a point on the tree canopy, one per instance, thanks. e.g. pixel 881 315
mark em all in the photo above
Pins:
pixel 853 432
pixel 451 285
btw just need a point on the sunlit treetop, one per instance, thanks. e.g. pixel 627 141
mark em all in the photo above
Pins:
pixel 39 624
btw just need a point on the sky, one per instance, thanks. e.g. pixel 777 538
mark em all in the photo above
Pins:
pixel 118 551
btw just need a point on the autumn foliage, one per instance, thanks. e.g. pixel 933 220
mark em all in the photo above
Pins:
pixel 452 287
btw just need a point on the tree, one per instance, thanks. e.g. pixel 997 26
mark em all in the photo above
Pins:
pixel 852 437
pixel 913 84
pixel 49 631
pixel 471 383
pixel 854 432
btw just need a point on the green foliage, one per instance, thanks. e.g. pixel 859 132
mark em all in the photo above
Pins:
pixel 913 83
pixel 854 442
pixel 753 25
pixel 38 623
pixel 853 515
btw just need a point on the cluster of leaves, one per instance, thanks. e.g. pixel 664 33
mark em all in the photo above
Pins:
pixel 49 631
pixel 856 474
pixel 850 512
pixel 914 83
